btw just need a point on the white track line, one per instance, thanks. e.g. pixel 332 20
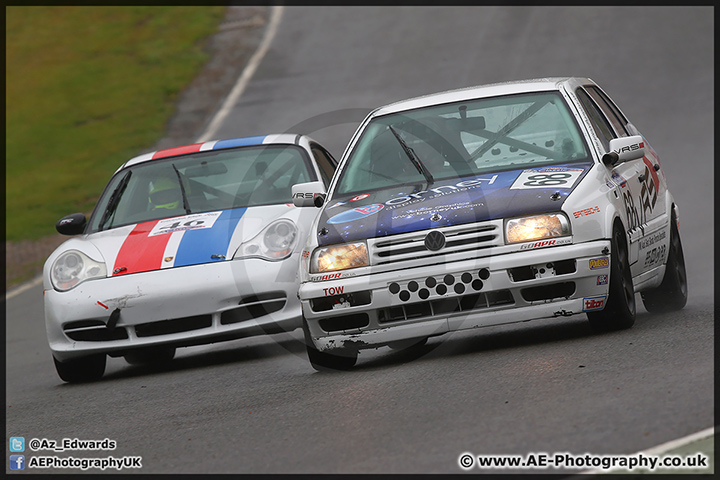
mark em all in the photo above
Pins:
pixel 238 89
pixel 666 447
pixel 246 75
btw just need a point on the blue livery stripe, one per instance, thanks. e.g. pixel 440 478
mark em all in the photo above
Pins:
pixel 198 246
pixel 240 142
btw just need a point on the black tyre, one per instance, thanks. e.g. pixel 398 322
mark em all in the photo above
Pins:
pixel 80 370
pixel 150 355
pixel 619 311
pixel 340 359
pixel 672 293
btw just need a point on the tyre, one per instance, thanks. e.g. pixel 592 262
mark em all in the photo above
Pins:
pixel 341 359
pixel 619 311
pixel 150 355
pixel 672 293
pixel 80 370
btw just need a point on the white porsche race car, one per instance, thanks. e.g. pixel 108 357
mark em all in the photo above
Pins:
pixel 186 246
pixel 485 206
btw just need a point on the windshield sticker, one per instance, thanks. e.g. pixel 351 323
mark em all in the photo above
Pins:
pixel 355 214
pixel 188 222
pixel 549 177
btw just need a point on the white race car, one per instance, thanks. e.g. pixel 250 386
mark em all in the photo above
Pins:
pixel 186 246
pixel 485 206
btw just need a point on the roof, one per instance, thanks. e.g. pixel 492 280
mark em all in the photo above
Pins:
pixel 479 91
pixel 281 138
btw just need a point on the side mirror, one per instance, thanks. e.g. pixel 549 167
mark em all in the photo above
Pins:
pixel 624 149
pixel 73 224
pixel 308 194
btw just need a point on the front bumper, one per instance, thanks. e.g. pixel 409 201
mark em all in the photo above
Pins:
pixel 179 306
pixel 373 310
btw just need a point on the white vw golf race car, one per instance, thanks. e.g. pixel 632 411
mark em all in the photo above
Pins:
pixel 186 246
pixel 485 206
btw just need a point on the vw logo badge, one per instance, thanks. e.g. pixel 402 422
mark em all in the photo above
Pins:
pixel 435 217
pixel 434 241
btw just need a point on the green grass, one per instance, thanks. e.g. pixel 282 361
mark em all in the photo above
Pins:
pixel 88 88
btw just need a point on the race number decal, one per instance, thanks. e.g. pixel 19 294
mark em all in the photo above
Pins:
pixel 188 222
pixel 547 178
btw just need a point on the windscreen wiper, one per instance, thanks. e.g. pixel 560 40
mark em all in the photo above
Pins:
pixel 421 168
pixel 114 199
pixel 186 205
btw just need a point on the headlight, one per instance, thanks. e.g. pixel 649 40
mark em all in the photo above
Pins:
pixel 537 227
pixel 72 268
pixel 339 257
pixel 275 242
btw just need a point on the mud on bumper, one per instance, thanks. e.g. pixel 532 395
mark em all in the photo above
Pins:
pixel 376 309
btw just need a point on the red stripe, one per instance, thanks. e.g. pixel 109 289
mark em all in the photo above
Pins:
pixel 171 152
pixel 140 253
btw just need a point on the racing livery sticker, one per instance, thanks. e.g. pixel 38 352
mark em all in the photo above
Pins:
pixel 548 177
pixel 143 251
pixel 593 303
pixel 188 222
pixel 587 211
pixel 602 279
pixel 546 243
pixel 601 262
pixel 355 214
pixel 655 257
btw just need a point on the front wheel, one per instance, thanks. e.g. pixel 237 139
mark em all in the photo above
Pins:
pixel 80 370
pixel 672 293
pixel 619 311
pixel 343 359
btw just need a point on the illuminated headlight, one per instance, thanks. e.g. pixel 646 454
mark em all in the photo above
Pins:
pixel 276 242
pixel 537 227
pixel 339 257
pixel 72 268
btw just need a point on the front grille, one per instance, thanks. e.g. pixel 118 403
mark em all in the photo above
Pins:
pixel 345 322
pixel 445 306
pixel 178 325
pixel 396 249
pixel 93 331
pixel 254 306
pixel 548 292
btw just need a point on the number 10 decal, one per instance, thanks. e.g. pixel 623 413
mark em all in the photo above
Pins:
pixel 547 178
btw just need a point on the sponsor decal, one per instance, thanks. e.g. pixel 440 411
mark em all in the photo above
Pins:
pixel 355 214
pixel 147 248
pixel 602 279
pixel 655 256
pixel 360 197
pixel 333 291
pixel 305 254
pixel 440 191
pixel 630 148
pixel 601 262
pixel 549 177
pixel 593 303
pixel 188 222
pixel 650 187
pixel 545 243
pixel 586 212
pixel 619 180
pixel 330 276
pixel 305 195
pixel 651 240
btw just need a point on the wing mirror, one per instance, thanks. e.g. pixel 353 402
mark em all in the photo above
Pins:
pixel 73 224
pixel 624 149
pixel 308 194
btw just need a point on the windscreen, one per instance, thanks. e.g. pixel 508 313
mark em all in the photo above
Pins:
pixel 202 182
pixel 464 138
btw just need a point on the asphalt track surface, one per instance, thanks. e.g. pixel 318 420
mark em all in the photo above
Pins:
pixel 256 405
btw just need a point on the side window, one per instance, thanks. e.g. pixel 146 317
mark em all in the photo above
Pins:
pixel 602 127
pixel 613 114
pixel 325 161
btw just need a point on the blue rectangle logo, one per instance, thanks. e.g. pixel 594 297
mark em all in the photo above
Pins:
pixel 17 462
pixel 17 444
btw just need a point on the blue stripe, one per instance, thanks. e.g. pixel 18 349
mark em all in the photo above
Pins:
pixel 198 246
pixel 240 142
